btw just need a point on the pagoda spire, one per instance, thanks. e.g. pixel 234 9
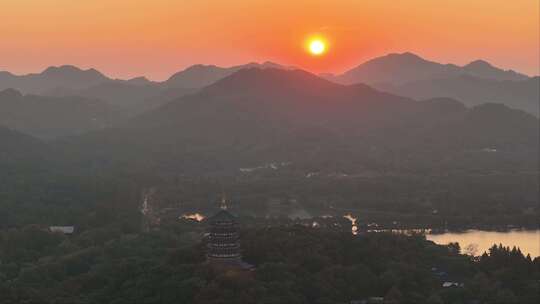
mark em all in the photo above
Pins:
pixel 223 203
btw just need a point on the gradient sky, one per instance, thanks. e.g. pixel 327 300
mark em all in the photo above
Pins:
pixel 127 38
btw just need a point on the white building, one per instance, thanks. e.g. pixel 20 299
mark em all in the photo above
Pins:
pixel 62 229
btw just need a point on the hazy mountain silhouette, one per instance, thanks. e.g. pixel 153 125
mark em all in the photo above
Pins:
pixel 394 68
pixel 68 80
pixel 51 117
pixel 198 76
pixel 522 94
pixel 132 96
pixel 140 81
pixel 129 98
pixel 122 94
pixel 475 83
pixel 255 115
pixel 401 74
pixel 483 69
pixel 407 67
pixel 66 76
pixel 72 74
pixel 17 148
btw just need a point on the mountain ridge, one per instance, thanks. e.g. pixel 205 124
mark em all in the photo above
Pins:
pixel 255 116
pixel 477 82
pixel 200 75
pixel 398 68
pixel 405 74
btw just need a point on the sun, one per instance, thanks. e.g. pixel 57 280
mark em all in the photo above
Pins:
pixel 317 47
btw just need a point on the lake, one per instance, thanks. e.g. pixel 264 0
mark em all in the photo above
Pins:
pixel 478 241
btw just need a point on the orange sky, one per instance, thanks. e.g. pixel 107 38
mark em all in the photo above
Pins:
pixel 126 38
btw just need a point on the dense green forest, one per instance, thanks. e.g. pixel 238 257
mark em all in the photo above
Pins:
pixel 116 263
pixel 38 194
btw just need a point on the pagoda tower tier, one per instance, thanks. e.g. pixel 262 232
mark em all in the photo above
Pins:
pixel 223 241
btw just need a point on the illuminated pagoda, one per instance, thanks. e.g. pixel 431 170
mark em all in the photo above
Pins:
pixel 224 241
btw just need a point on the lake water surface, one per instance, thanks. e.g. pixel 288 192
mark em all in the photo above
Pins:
pixel 478 241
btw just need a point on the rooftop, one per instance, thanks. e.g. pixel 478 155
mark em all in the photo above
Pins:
pixel 222 216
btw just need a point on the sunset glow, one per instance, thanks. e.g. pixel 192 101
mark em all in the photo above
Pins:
pixel 125 38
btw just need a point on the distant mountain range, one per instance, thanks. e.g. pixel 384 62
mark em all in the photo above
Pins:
pixel 69 79
pixel 52 78
pixel 64 101
pixel 129 98
pixel 259 115
pixel 475 83
pixel 199 76
pixel 52 117
pixel 472 91
pixel 403 74
pixel 132 96
pixel 407 67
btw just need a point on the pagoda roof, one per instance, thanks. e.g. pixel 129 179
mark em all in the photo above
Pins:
pixel 222 216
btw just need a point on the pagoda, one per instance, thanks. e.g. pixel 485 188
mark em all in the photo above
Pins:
pixel 223 241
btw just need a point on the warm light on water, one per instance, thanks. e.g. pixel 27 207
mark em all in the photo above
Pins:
pixel 477 242
pixel 354 228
